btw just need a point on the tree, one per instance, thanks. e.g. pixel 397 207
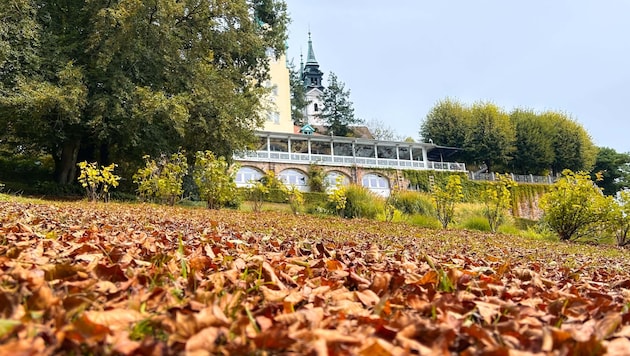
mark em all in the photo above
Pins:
pixel 573 147
pixel 575 207
pixel 490 137
pixel 120 79
pixel 298 96
pixel 445 199
pixel 381 131
pixel 534 151
pixel 215 179
pixel 337 112
pixel 613 167
pixel 497 199
pixel 446 124
pixel 162 179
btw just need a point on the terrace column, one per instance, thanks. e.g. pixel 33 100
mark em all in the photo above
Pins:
pixel 425 157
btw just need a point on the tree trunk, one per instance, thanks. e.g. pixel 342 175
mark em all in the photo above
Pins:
pixel 66 163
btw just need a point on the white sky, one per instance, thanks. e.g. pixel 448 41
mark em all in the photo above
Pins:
pixel 398 58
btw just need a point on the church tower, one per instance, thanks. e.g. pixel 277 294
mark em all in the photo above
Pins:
pixel 312 79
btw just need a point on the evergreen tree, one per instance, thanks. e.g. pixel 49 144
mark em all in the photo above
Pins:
pixel 337 112
pixel 298 95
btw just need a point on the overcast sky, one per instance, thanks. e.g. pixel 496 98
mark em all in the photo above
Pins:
pixel 398 58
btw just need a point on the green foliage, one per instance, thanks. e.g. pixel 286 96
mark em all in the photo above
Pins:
pixel 410 202
pixel 101 78
pixel 298 96
pixel 269 188
pixel 424 221
pixel 614 169
pixel 360 202
pixel 490 139
pixel 337 112
pixel 215 180
pixel 296 199
pixel 446 198
pixel 479 223
pixel 524 142
pixel 446 124
pixel 575 207
pixel 619 221
pixel 316 178
pixel 574 149
pixel 534 151
pixel 97 180
pixel 497 199
pixel 338 199
pixel 162 180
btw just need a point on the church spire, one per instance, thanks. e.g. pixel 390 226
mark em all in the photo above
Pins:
pixel 310 58
pixel 311 75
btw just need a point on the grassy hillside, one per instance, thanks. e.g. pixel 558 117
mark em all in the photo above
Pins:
pixel 136 278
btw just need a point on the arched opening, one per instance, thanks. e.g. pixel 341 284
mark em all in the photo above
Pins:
pixel 294 177
pixel 376 183
pixel 247 176
pixel 335 177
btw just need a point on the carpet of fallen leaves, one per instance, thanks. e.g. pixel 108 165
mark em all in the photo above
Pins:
pixel 80 278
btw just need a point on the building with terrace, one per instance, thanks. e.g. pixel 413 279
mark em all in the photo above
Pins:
pixel 289 151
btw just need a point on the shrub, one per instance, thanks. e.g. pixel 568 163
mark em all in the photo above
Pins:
pixel 316 178
pixel 575 207
pixel 619 222
pixel 162 179
pixel 497 200
pixel 410 202
pixel 476 223
pixel 97 180
pixel 296 199
pixel 359 202
pixel 445 199
pixel 215 179
pixel 424 221
pixel 269 188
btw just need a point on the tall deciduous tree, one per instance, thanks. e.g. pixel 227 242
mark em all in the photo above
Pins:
pixel 113 79
pixel 447 123
pixel 490 137
pixel 337 112
pixel 534 152
pixel 573 147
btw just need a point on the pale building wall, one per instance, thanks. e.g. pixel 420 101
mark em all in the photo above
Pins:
pixel 314 107
pixel 279 112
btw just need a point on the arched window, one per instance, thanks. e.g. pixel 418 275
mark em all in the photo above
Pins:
pixel 294 177
pixel 333 177
pixel 376 183
pixel 246 176
pixel 315 107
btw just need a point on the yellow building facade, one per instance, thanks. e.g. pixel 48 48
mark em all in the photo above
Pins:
pixel 279 98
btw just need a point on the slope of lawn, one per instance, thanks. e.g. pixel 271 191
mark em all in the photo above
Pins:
pixel 84 278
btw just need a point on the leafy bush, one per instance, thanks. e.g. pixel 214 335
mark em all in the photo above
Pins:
pixel 97 180
pixel 619 222
pixel 476 223
pixel 445 199
pixel 316 178
pixel 162 179
pixel 269 188
pixel 296 199
pixel 496 198
pixel 410 202
pixel 575 207
pixel 215 179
